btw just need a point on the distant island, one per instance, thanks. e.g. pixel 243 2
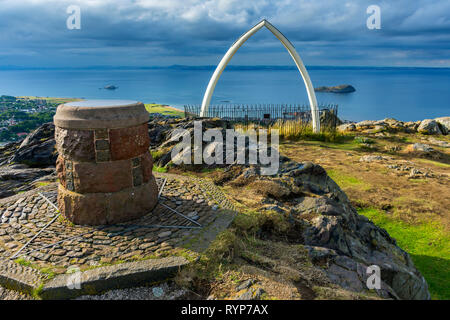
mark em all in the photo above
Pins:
pixel 110 87
pixel 343 88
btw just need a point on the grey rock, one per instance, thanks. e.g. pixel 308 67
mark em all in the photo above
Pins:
pixel 245 285
pixel 38 148
pixel 251 294
pixel 429 126
pixel 118 276
pixel 444 124
pixel 346 127
pixel 371 158
pixel 164 234
pixel 421 147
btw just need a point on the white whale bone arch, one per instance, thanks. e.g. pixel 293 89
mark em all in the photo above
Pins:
pixel 290 48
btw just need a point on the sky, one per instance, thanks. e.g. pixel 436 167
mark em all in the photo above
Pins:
pixel 34 33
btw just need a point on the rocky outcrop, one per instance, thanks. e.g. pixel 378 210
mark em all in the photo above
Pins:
pixel 427 126
pixel 19 177
pixel 344 243
pixel 37 149
pixel 338 239
pixel 343 88
pixel 419 147
pixel 24 164
pixel 444 123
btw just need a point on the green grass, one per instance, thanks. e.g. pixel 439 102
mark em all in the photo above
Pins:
pixel 363 140
pixel 42 184
pixel 340 142
pixel 51 99
pixel 347 181
pixel 24 262
pixel 436 163
pixel 156 155
pixel 159 169
pixel 428 244
pixel 166 110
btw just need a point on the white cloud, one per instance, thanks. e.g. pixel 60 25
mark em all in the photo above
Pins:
pixel 206 28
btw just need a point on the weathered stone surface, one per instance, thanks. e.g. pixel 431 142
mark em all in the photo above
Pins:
pixel 127 143
pixel 136 162
pixel 123 275
pixel 419 147
pixel 346 127
pixel 366 124
pixel 100 114
pixel 101 145
pixel 445 124
pixel 330 222
pixel 61 170
pixel 38 148
pixel 137 176
pixel 147 166
pixel 337 226
pixel 251 294
pixel 76 145
pixel 18 277
pixel 16 178
pixel 429 126
pixel 102 156
pixel 371 158
pixel 108 208
pixel 132 203
pixel 84 209
pixel 106 170
pixel 102 177
pixel 101 134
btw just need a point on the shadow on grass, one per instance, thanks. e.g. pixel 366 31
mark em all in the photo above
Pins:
pixel 437 274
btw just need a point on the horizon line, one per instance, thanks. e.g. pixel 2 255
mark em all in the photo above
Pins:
pixel 208 67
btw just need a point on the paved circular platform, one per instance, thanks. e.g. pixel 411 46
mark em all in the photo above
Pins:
pixel 63 244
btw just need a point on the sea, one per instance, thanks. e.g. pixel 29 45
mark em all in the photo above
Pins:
pixel 407 94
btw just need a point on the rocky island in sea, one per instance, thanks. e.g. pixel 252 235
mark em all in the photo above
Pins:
pixel 110 87
pixel 343 88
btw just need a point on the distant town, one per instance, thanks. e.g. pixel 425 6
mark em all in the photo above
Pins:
pixel 21 115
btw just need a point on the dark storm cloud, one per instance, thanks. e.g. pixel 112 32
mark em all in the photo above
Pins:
pixel 148 32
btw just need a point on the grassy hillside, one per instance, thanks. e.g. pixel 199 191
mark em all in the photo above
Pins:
pixel 163 109
pixel 51 99
pixel 427 243
pixel 413 209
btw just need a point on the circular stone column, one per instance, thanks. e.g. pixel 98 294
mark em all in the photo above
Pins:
pixel 104 164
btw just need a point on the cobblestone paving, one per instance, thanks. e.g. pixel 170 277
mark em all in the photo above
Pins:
pixel 6 294
pixel 63 244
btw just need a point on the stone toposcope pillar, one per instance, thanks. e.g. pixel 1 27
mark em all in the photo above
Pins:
pixel 104 164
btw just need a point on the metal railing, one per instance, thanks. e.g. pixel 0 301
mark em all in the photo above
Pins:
pixel 266 113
